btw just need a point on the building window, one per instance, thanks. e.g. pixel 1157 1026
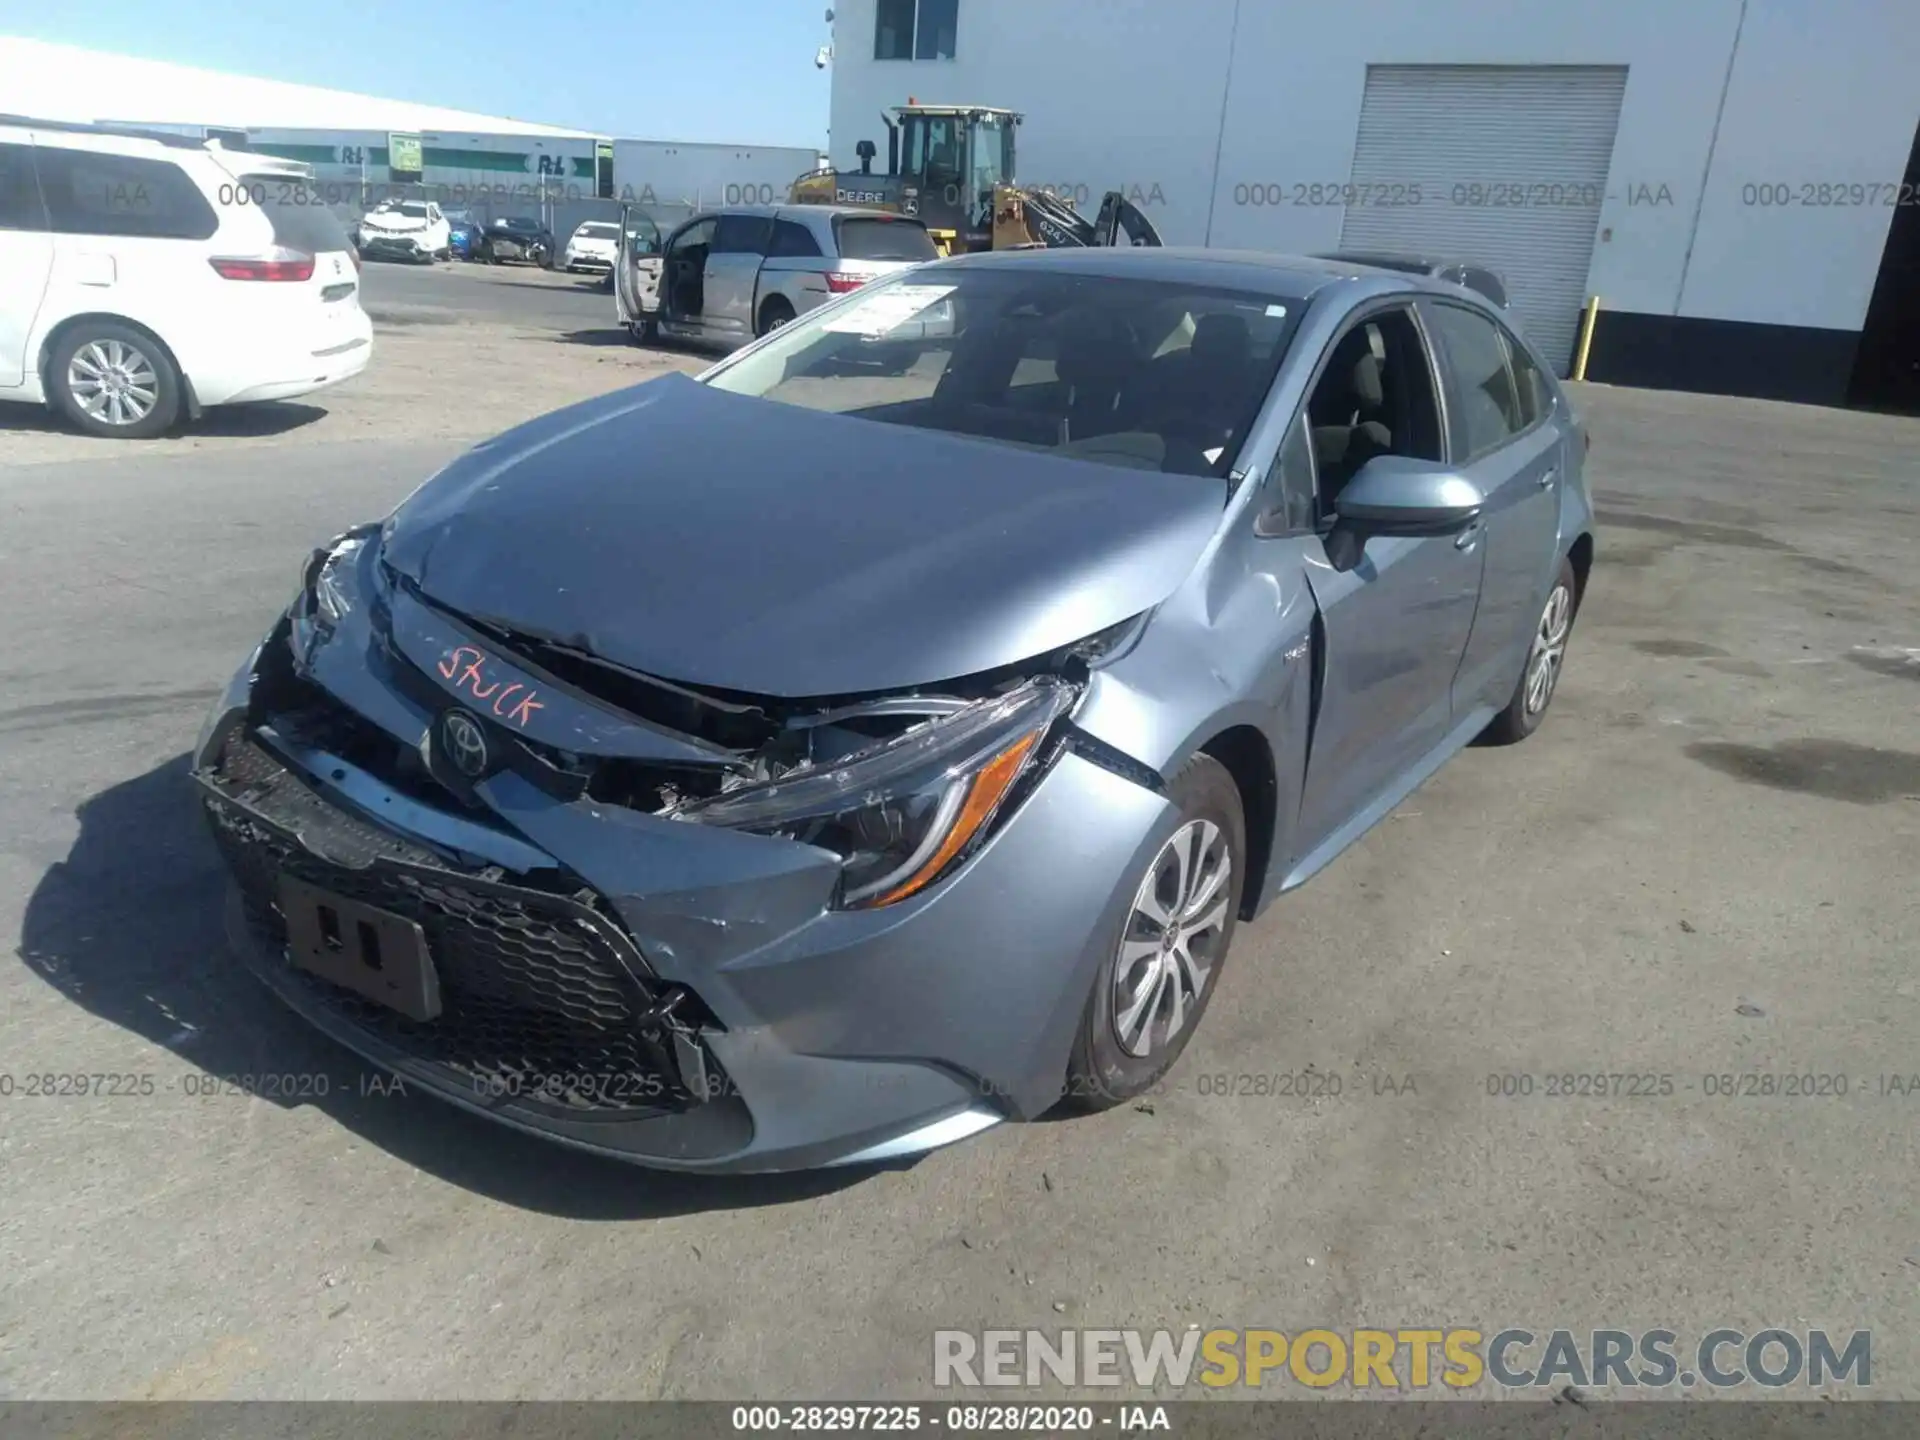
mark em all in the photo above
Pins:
pixel 915 29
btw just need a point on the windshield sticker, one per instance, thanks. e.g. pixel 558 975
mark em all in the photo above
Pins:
pixel 1276 312
pixel 874 315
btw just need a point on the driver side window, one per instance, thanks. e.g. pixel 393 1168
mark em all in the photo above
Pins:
pixel 1375 396
pixel 697 236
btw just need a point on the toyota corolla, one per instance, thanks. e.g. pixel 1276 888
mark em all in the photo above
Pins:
pixel 880 736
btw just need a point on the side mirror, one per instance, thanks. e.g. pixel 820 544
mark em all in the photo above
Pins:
pixel 1393 495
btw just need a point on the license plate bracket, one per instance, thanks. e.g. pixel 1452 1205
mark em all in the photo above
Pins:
pixel 369 951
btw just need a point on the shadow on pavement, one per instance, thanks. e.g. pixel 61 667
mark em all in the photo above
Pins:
pixel 611 338
pixel 270 417
pixel 558 284
pixel 129 928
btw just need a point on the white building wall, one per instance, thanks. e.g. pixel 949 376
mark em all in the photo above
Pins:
pixel 1823 92
pixel 1132 94
pixel 1295 110
pixel 1115 92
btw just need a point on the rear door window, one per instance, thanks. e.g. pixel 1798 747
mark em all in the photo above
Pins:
pixel 877 238
pixel 1489 412
pixel 20 207
pixel 1530 386
pixel 741 235
pixel 90 193
pixel 300 217
pixel 792 241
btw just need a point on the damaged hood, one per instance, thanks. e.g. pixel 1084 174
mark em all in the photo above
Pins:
pixel 745 544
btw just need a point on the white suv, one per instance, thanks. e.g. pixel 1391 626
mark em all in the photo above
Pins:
pixel 146 276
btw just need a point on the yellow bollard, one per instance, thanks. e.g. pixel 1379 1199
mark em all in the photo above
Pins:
pixel 1586 338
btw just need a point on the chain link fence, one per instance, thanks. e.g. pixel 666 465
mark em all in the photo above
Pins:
pixel 560 208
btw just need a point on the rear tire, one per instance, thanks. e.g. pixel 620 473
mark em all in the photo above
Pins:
pixel 775 313
pixel 1546 656
pixel 114 381
pixel 1152 990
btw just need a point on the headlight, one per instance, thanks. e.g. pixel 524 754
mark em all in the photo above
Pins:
pixel 327 577
pixel 900 815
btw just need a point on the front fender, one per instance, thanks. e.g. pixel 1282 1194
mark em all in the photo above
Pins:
pixel 1239 656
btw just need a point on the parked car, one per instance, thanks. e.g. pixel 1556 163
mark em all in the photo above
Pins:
pixel 592 247
pixel 515 237
pixel 462 231
pixel 405 230
pixel 144 277
pixel 1477 278
pixel 730 275
pixel 900 752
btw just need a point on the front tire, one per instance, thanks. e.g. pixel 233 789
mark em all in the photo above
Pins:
pixel 114 381
pixel 1151 992
pixel 1540 676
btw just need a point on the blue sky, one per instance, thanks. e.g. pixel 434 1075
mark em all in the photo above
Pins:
pixel 728 70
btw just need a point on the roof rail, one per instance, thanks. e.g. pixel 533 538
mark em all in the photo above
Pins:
pixel 125 132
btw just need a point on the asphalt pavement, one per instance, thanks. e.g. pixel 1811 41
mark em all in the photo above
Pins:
pixel 1702 864
pixel 508 294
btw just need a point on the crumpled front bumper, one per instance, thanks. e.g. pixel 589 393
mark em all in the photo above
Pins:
pixel 374 242
pixel 817 1036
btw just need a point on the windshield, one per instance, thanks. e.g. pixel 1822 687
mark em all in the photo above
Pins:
pixel 1141 374
pixel 595 230
pixel 412 211
pixel 516 224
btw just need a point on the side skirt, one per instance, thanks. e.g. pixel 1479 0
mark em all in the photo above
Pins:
pixel 1324 853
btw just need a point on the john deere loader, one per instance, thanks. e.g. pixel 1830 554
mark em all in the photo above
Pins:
pixel 952 168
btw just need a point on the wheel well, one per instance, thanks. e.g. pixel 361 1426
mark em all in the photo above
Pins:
pixel 72 322
pixel 1581 558
pixel 771 301
pixel 1249 760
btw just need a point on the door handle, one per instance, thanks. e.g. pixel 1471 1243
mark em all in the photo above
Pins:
pixel 1547 479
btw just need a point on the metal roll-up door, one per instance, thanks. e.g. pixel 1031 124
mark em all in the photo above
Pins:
pixel 1509 166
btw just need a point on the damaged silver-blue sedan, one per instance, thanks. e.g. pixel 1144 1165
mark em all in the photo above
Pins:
pixel 881 735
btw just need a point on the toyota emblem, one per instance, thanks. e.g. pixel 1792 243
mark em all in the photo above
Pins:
pixel 464 742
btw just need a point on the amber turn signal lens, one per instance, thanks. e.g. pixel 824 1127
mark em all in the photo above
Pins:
pixel 987 789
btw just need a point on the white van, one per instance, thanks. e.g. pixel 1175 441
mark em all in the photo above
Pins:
pixel 147 276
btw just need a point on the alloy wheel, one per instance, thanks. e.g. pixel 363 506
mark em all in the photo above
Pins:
pixel 1171 943
pixel 113 382
pixel 1549 647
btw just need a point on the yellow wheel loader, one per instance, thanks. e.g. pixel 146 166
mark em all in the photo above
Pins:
pixel 952 168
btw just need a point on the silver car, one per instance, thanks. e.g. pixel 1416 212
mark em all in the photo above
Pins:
pixel 882 735
pixel 728 276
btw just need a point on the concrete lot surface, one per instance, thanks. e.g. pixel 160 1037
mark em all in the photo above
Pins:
pixel 1704 864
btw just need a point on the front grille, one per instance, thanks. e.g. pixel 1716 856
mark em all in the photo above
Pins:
pixel 543 996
